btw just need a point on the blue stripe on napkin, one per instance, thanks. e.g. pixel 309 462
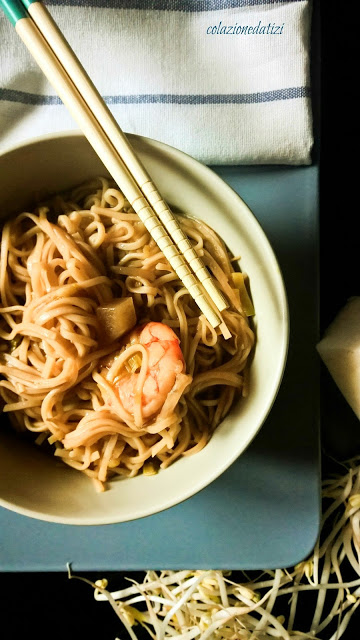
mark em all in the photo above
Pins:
pixel 12 95
pixel 186 6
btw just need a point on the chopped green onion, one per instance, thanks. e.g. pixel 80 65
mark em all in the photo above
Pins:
pixel 240 284
pixel 14 343
pixel 149 468
pixel 133 364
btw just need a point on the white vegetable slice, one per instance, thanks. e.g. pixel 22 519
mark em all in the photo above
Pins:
pixel 116 318
pixel 340 352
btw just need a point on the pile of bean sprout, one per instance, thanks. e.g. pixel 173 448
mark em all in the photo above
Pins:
pixel 209 605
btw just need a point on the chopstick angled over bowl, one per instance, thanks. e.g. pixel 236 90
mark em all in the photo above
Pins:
pixel 54 56
pixel 34 481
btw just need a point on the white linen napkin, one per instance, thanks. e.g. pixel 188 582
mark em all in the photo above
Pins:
pixel 226 81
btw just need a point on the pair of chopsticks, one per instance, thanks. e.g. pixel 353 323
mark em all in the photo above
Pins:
pixel 55 57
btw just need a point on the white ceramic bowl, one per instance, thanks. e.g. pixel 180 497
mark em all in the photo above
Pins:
pixel 35 484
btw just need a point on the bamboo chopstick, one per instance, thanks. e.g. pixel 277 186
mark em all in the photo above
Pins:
pixel 93 130
pixel 81 80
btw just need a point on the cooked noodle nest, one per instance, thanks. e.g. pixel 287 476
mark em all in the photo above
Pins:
pixel 58 265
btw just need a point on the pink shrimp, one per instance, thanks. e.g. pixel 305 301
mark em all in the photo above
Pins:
pixel 165 363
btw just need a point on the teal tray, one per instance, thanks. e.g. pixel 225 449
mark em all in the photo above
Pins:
pixel 264 511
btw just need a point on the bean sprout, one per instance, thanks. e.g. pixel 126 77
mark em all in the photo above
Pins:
pixel 208 605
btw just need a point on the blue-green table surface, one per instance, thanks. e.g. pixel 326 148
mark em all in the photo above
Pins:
pixel 264 511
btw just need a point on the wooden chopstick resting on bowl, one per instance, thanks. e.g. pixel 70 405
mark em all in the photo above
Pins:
pixel 81 80
pixel 88 109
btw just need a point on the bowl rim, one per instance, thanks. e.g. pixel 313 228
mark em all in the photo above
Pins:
pixel 285 332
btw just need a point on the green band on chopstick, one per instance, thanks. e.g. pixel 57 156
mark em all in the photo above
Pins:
pixel 27 3
pixel 14 10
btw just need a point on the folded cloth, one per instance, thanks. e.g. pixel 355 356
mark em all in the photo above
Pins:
pixel 226 81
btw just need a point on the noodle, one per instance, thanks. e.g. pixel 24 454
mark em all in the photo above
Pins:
pixel 59 378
